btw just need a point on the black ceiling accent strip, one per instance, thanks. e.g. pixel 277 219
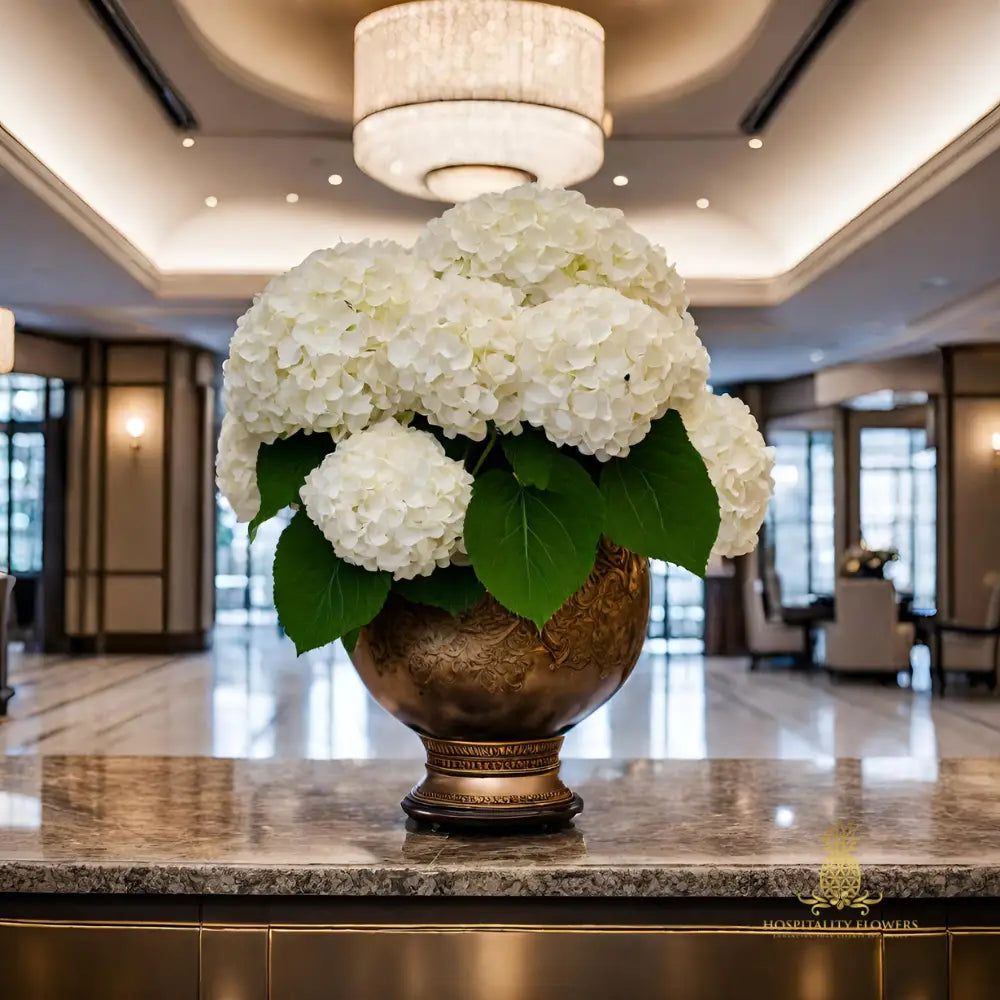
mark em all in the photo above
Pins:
pixel 123 33
pixel 780 85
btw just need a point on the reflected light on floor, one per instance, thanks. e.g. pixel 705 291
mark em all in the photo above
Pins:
pixel 686 708
pixel 337 712
pixel 250 696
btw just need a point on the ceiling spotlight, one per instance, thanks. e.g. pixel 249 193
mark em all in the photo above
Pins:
pixel 816 356
pixel 211 201
pixel 335 180
pixel 619 181
pixel 702 203
pixel 291 197
pixel 454 99
pixel 187 142
pixel 755 143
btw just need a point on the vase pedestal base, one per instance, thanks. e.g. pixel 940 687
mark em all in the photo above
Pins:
pixel 501 785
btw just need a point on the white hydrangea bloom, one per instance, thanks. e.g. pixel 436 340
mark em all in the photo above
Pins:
pixel 310 353
pixel 543 241
pixel 236 468
pixel 454 357
pixel 390 499
pixel 597 368
pixel 725 433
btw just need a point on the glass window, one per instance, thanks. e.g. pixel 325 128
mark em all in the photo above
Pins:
pixel 677 614
pixel 899 506
pixel 24 402
pixel 244 582
pixel 801 515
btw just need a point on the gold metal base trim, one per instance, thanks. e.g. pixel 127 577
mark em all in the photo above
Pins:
pixel 503 784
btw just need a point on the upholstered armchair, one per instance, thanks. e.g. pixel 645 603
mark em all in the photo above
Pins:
pixel 971 649
pixel 767 637
pixel 867 635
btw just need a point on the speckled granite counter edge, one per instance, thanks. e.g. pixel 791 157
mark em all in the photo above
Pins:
pixel 711 881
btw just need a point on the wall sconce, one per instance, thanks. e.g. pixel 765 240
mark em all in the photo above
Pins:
pixel 6 340
pixel 135 427
pixel 996 449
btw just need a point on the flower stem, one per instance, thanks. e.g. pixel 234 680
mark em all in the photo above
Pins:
pixel 485 452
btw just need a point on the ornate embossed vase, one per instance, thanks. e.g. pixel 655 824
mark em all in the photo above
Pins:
pixel 491 698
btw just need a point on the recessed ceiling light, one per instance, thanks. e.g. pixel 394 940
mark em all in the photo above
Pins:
pixel 755 142
pixel 936 281
pixel 702 203
pixel 291 197
pixel 620 180
pixel 816 356
pixel 335 179
pixel 211 201
pixel 187 142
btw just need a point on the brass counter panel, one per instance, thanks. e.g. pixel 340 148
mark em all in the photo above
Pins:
pixel 234 963
pixel 915 966
pixel 41 961
pixel 975 965
pixel 498 964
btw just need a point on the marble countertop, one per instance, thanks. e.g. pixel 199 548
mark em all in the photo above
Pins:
pixel 711 828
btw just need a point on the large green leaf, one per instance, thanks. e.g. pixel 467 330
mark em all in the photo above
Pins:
pixel 282 468
pixel 320 597
pixel 532 455
pixel 660 501
pixel 534 548
pixel 454 588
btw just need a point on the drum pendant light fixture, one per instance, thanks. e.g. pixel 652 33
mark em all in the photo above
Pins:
pixel 453 98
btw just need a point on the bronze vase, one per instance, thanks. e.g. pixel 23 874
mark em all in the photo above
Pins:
pixel 491 698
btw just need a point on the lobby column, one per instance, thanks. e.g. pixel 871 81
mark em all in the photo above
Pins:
pixel 140 505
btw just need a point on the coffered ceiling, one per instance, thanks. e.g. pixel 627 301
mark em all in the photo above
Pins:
pixel 897 111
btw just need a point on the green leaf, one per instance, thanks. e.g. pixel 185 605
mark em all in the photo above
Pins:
pixel 534 548
pixel 532 456
pixel 350 640
pixel 660 501
pixel 454 588
pixel 282 468
pixel 320 597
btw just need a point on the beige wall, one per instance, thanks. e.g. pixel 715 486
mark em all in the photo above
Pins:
pixel 140 519
pixel 969 531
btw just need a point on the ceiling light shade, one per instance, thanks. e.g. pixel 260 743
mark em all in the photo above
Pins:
pixel 456 97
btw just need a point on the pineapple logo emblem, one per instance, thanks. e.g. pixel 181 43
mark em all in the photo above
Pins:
pixel 840 874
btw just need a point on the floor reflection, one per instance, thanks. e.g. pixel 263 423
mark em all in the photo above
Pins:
pixel 250 697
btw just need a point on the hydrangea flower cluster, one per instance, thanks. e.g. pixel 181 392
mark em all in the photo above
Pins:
pixel 725 433
pixel 526 309
pixel 236 467
pixel 598 368
pixel 389 498
pixel 544 242
pixel 310 353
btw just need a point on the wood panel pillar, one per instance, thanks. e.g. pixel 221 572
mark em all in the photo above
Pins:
pixel 140 511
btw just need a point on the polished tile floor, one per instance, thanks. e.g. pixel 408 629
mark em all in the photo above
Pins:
pixel 250 697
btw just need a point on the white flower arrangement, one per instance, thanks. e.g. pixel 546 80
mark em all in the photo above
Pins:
pixel 390 499
pixel 471 416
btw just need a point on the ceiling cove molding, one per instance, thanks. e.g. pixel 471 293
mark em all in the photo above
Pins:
pixel 26 168
pixel 949 164
pixel 946 166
